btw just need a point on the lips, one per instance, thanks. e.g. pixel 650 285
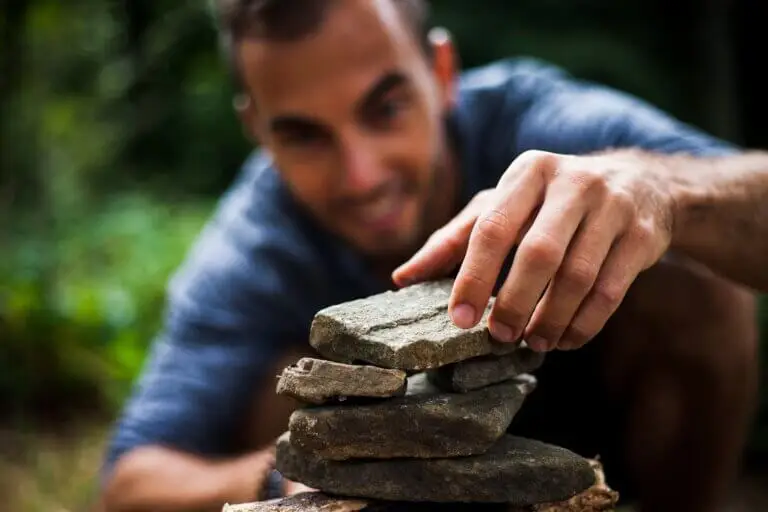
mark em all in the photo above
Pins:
pixel 382 211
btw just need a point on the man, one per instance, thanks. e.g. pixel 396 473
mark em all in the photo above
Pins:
pixel 380 164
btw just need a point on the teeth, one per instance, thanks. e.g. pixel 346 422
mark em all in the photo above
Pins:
pixel 381 207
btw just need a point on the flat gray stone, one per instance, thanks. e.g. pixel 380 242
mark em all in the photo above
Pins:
pixel 483 371
pixel 516 471
pixel 303 502
pixel 408 329
pixel 597 498
pixel 320 502
pixel 317 381
pixel 424 424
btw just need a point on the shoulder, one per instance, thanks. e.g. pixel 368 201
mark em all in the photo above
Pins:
pixel 511 80
pixel 519 104
pixel 514 93
pixel 493 102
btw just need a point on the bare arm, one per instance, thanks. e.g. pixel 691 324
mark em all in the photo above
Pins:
pixel 159 479
pixel 721 214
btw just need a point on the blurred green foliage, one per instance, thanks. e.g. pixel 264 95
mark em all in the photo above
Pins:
pixel 80 305
pixel 117 135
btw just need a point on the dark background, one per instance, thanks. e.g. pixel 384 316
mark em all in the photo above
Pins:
pixel 117 136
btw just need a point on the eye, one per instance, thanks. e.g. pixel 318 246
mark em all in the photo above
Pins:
pixel 388 110
pixel 302 137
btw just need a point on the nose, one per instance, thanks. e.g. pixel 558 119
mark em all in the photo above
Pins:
pixel 363 164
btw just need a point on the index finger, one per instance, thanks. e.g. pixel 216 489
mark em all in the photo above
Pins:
pixel 490 242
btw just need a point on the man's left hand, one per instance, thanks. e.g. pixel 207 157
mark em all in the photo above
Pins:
pixel 584 226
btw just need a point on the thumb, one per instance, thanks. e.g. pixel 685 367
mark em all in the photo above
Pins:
pixel 443 251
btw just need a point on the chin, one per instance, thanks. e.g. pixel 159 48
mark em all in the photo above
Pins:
pixel 386 245
pixel 398 240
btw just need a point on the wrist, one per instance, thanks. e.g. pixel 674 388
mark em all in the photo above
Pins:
pixel 241 480
pixel 692 202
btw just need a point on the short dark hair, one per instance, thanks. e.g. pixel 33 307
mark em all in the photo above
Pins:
pixel 287 20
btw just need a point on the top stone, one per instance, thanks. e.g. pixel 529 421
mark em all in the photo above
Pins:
pixel 407 329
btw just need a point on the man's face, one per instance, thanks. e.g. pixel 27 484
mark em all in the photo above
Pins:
pixel 353 117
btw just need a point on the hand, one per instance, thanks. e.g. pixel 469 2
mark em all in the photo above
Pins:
pixel 584 226
pixel 290 487
pixel 254 469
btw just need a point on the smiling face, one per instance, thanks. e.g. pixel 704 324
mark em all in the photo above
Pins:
pixel 353 115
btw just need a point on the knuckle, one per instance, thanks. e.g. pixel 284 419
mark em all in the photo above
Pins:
pixel 608 295
pixel 644 239
pixel 451 241
pixel 588 180
pixel 533 155
pixel 579 274
pixel 493 226
pixel 541 251
pixel 642 232
pixel 622 201
pixel 535 160
pixel 472 276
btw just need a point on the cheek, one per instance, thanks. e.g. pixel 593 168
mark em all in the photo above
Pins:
pixel 309 183
pixel 419 145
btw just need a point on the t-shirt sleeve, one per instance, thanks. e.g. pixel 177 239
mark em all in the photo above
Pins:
pixel 542 107
pixel 243 294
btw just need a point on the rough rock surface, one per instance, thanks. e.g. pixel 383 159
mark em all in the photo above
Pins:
pixel 516 471
pixel 423 424
pixel 483 371
pixel 317 381
pixel 319 502
pixel 304 502
pixel 598 498
pixel 408 329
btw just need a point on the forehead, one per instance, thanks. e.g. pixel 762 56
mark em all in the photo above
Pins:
pixel 358 41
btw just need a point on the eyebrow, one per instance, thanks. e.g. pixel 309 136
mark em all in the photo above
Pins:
pixel 384 85
pixel 287 123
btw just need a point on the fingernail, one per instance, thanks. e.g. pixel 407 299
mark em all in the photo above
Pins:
pixel 463 316
pixel 537 343
pixel 502 332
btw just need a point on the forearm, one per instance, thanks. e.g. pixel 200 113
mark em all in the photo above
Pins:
pixel 162 480
pixel 721 214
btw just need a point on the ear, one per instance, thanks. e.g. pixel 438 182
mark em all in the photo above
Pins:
pixel 246 111
pixel 445 63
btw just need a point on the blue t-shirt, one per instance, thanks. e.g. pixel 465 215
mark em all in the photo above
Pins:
pixel 261 269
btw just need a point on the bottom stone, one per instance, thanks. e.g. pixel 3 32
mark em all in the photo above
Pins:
pixel 319 502
pixel 598 498
pixel 515 471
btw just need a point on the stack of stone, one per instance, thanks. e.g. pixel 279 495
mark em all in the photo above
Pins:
pixel 404 409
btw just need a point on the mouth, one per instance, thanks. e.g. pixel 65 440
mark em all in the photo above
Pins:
pixel 383 212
